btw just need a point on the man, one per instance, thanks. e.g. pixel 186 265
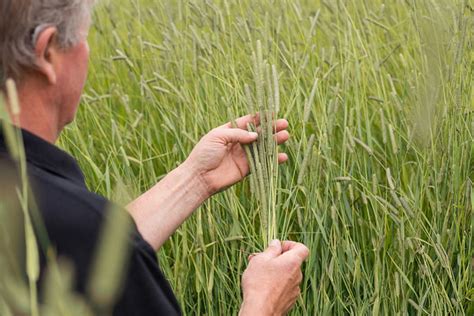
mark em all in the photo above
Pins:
pixel 43 47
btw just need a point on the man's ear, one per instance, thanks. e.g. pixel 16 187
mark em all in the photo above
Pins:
pixel 46 53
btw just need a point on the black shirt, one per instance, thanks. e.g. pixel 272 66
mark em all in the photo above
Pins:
pixel 73 217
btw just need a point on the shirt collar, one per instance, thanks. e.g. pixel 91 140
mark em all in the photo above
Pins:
pixel 47 157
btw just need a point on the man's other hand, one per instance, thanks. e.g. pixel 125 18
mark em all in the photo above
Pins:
pixel 219 158
pixel 271 283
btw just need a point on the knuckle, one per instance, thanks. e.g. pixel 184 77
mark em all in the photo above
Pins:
pixel 285 272
pixel 211 134
pixel 259 259
pixel 291 270
pixel 215 131
pixel 295 293
pixel 299 277
pixel 294 262
pixel 290 265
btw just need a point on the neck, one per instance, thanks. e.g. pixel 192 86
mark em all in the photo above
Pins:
pixel 40 123
pixel 38 115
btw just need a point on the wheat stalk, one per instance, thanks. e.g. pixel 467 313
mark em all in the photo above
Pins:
pixel 263 155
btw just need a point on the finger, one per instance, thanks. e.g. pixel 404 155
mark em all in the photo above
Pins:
pixel 282 157
pixel 280 125
pixel 288 245
pixel 274 249
pixel 281 137
pixel 236 135
pixel 295 249
pixel 242 122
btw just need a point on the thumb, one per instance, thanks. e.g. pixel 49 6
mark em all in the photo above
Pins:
pixel 274 249
pixel 237 135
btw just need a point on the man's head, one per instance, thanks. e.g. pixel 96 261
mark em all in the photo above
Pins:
pixel 43 47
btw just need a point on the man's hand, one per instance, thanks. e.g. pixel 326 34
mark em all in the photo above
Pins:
pixel 216 162
pixel 271 283
pixel 219 158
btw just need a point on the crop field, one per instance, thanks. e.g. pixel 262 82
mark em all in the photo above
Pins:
pixel 379 183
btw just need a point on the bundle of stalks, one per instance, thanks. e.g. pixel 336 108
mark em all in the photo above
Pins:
pixel 263 154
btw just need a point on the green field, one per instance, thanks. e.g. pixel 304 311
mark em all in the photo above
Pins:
pixel 384 197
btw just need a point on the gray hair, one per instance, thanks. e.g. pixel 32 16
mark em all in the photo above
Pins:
pixel 21 21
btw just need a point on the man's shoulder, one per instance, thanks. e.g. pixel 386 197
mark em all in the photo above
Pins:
pixel 69 210
pixel 55 190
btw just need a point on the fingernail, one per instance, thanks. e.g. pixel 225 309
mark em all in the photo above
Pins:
pixel 275 243
pixel 253 134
